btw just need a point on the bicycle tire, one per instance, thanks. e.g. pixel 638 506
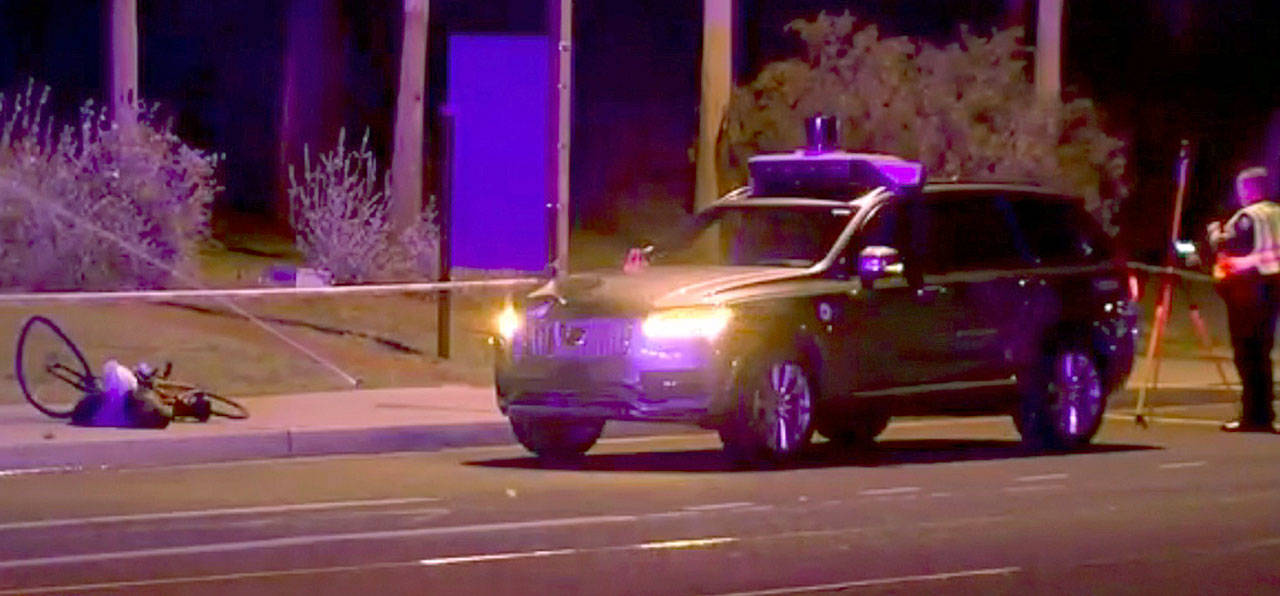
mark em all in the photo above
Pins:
pixel 44 369
pixel 225 406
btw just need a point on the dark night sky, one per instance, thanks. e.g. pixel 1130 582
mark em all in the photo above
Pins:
pixel 1161 69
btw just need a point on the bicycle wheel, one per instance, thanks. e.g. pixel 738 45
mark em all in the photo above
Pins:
pixel 225 406
pixel 52 372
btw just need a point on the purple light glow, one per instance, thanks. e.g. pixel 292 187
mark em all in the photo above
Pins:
pixel 500 100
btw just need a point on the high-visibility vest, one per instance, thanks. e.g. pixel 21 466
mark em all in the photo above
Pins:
pixel 1265 257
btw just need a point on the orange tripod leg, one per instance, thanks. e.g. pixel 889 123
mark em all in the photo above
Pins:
pixel 1153 350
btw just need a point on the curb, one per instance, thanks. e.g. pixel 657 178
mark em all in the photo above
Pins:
pixel 140 447
pixel 200 443
pixel 146 449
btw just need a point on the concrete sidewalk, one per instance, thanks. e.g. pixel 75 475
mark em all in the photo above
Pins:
pixel 388 420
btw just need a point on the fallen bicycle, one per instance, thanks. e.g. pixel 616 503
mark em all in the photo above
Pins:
pixel 55 378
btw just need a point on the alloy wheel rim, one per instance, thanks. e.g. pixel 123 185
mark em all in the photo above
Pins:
pixel 785 410
pixel 1077 394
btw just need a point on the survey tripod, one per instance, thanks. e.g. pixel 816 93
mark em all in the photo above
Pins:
pixel 1170 277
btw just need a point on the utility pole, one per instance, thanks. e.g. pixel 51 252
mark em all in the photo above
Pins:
pixel 406 157
pixel 560 30
pixel 124 63
pixel 717 82
pixel 1049 49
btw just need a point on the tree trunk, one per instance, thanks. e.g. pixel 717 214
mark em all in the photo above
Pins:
pixel 406 158
pixel 717 82
pixel 311 100
pixel 1049 49
pixel 124 63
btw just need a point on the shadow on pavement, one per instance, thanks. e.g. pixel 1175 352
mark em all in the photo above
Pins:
pixel 819 455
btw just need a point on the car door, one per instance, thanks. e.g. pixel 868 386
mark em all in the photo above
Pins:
pixel 978 257
pixel 897 326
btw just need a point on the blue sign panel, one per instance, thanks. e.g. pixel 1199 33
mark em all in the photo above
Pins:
pixel 499 96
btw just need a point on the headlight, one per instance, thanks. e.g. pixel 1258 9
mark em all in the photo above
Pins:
pixel 509 322
pixel 705 322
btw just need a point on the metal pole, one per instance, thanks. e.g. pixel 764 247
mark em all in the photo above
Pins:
pixel 561 32
pixel 444 302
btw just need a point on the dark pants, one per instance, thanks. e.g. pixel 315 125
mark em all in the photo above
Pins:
pixel 1252 306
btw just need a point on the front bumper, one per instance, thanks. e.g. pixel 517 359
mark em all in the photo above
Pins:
pixel 680 381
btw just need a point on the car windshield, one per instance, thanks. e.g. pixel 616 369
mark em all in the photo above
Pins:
pixel 787 236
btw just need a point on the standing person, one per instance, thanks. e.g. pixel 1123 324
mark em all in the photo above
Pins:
pixel 1246 273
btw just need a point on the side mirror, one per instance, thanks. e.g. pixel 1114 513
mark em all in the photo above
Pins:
pixel 877 262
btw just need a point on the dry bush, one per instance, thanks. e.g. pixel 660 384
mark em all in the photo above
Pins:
pixel 93 206
pixel 341 224
pixel 967 110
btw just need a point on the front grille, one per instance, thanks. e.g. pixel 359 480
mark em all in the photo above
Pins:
pixel 580 338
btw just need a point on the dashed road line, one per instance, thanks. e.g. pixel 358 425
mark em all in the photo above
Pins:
pixel 1179 465
pixel 311 539
pixel 719 506
pixel 886 492
pixel 1034 488
pixel 883 581
pixel 1041 478
pixel 495 557
pixel 204 513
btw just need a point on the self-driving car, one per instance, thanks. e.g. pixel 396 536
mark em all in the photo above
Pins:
pixel 835 291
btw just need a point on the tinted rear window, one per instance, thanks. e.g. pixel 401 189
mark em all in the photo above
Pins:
pixel 1061 232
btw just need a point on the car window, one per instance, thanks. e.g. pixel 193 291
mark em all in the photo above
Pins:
pixel 968 233
pixel 1061 232
pixel 772 236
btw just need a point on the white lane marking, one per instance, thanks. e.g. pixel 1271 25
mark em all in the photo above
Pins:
pixel 219 547
pixel 196 579
pixel 496 557
pixel 433 562
pixel 719 506
pixel 30 471
pixel 666 514
pixel 1041 478
pixel 1033 488
pixel 689 543
pixel 884 581
pixel 883 492
pixel 169 515
pixel 1178 465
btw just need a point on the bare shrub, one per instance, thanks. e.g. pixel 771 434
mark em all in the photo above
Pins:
pixel 341 223
pixel 95 206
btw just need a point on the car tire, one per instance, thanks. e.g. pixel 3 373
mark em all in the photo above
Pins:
pixel 858 429
pixel 556 437
pixel 1063 405
pixel 773 418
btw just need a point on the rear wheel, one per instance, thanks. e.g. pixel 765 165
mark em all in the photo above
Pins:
pixel 551 436
pixel 52 372
pixel 1064 405
pixel 773 421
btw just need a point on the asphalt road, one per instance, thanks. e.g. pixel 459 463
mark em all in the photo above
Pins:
pixel 940 507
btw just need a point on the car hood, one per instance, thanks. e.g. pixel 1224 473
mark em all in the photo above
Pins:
pixel 657 287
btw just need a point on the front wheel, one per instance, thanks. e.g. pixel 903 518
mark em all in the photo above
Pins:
pixel 552 437
pixel 1064 405
pixel 773 421
pixel 52 372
